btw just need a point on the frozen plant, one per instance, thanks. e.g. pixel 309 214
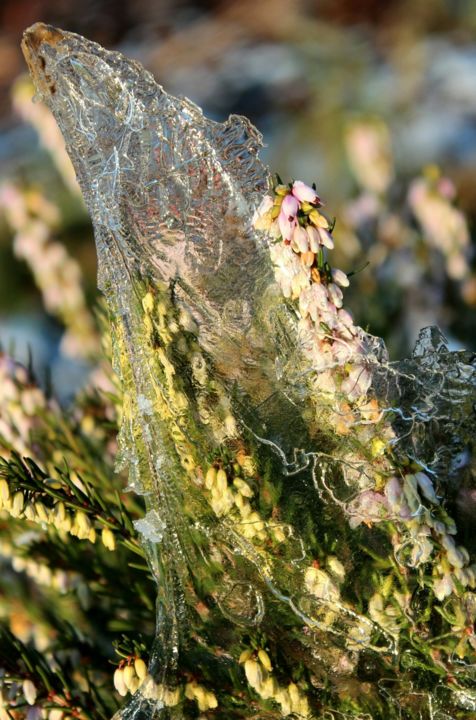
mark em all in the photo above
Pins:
pixel 301 491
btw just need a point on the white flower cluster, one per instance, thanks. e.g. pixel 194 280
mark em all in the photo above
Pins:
pixel 72 521
pixel 60 580
pixel 425 531
pixel 33 219
pixel 233 496
pixel 428 530
pixel 129 676
pixel 444 226
pixel 204 698
pixel 329 339
pixel 259 673
pixel 21 402
pixel 14 697
pixel 300 238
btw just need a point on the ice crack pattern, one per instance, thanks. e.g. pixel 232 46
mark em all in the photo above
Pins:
pixel 308 511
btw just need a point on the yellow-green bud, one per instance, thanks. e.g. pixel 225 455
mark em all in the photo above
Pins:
pixel 265 660
pixel 245 655
pixel 210 478
pixel 243 487
pixel 254 673
pixel 129 675
pixel 29 512
pixel 119 683
pixel 41 512
pixel 17 504
pixel 83 523
pixel 60 512
pixel 140 668
pixel 108 539
pixel 4 490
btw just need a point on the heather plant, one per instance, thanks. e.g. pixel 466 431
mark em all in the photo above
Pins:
pixel 291 537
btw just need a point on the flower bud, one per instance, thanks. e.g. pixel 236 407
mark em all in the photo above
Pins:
pixel 318 220
pixel 17 504
pixel 4 490
pixel 134 685
pixel 41 512
pixel 290 206
pixel 108 539
pixel 307 258
pixel 426 487
pixel 314 238
pixel 83 523
pixel 140 667
pixel 303 192
pixel 119 683
pixel 326 238
pixel 29 691
pixel 129 676
pixel 59 512
pixel 300 240
pixel 29 512
pixel 243 487
pixel 264 659
pixel 254 673
pixel 245 655
pixel 55 714
pixel 340 278
pixel 210 478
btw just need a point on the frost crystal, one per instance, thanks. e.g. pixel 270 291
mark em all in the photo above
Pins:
pixel 151 526
pixel 302 490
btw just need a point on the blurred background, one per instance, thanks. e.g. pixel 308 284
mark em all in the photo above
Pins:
pixel 373 100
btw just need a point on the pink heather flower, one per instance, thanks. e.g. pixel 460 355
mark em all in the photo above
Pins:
pixel 345 318
pixel 453 554
pixel 300 282
pixel 300 239
pixel 421 551
pixel 369 506
pixel 340 278
pixel 289 207
pixel 426 487
pixel 312 301
pixel 357 383
pixel 342 352
pixel 394 493
pixel 335 294
pixel 287 216
pixel 326 238
pixel 303 192
pixel 286 225
pixel 314 238
pixel 443 587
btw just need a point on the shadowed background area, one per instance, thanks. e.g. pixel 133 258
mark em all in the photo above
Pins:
pixel 374 101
